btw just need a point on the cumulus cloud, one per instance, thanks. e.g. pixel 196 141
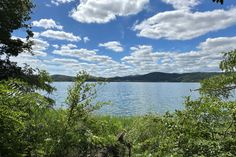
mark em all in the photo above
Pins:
pixel 60 35
pixel 182 4
pixel 36 34
pixel 68 46
pixel 55 46
pixel 39 44
pixel 100 11
pixel 64 60
pixel 144 59
pixel 141 55
pixel 58 2
pixel 47 24
pixel 89 60
pixel 38 47
pixel 86 39
pixel 54 66
pixel 83 54
pixel 207 58
pixel 221 44
pixel 40 53
pixel 184 25
pixel 29 59
pixel 112 45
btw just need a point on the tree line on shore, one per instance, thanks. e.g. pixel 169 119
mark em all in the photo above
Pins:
pixel 150 77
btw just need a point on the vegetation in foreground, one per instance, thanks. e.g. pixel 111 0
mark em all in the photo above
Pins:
pixel 30 126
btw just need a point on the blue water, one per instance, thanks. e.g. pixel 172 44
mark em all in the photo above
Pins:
pixel 135 98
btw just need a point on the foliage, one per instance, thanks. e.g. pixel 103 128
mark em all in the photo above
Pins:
pixel 221 86
pixel 206 128
pixel 77 136
pixel 20 109
pixel 229 62
pixel 30 127
pixel 13 15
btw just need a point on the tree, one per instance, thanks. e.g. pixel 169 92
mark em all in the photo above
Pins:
pixel 21 109
pixel 20 102
pixel 78 136
pixel 221 86
pixel 13 15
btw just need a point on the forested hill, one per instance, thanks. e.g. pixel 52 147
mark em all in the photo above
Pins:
pixel 151 77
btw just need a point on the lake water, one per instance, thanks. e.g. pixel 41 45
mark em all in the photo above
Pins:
pixel 129 98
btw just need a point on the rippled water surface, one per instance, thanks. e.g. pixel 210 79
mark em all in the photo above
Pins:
pixel 130 98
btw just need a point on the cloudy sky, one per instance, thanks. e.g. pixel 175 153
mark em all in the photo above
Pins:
pixel 127 37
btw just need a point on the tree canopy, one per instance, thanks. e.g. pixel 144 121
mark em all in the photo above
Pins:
pixel 14 15
pixel 221 86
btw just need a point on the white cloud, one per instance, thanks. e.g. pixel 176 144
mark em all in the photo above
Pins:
pixel 64 60
pixel 36 35
pixel 184 25
pixel 93 63
pixel 68 46
pixel 89 60
pixel 112 45
pixel 182 4
pixel 48 5
pixel 142 59
pixel 27 58
pixel 60 35
pixel 206 58
pixel 39 53
pixel 83 54
pixel 56 46
pixel 86 39
pixel 221 44
pixel 39 45
pixel 58 2
pixel 100 11
pixel 47 24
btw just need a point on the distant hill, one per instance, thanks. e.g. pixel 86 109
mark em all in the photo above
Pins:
pixel 151 77
pixel 62 78
pixel 65 78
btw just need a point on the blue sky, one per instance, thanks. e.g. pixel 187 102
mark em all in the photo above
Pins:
pixel 129 37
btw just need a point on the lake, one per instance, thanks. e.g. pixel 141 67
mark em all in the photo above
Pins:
pixel 131 98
